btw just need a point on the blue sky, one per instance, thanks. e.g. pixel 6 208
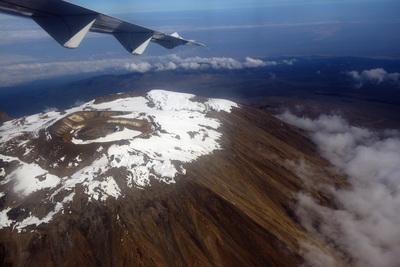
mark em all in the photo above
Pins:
pixel 127 6
pixel 235 28
pixel 172 5
pixel 230 28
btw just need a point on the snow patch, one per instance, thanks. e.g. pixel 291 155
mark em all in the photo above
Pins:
pixel 221 105
pixel 165 169
pixel 4 220
pixel 164 100
pixel 29 177
pixel 101 190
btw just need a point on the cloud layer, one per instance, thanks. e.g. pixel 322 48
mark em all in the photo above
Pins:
pixel 198 63
pixel 365 227
pixel 21 73
pixel 374 76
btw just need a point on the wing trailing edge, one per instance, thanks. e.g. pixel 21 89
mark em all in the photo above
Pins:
pixel 68 31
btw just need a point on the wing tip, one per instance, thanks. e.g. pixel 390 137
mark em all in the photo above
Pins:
pixel 192 42
pixel 189 42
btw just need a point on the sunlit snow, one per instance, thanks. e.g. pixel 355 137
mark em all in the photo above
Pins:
pixel 160 156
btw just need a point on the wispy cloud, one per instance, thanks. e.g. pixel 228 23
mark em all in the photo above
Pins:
pixel 374 76
pixel 199 63
pixel 21 73
pixel 365 226
pixel 264 25
pixel 13 36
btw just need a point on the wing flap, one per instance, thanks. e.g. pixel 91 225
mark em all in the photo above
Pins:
pixel 135 42
pixel 68 31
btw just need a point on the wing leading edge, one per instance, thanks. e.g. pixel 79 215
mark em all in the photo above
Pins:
pixel 68 24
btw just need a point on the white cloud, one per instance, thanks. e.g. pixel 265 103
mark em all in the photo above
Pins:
pixel 141 67
pixel 315 257
pixel 14 36
pixel 289 62
pixel 255 63
pixel 27 31
pixel 190 28
pixel 174 62
pixel 216 63
pixel 374 76
pixel 366 224
pixel 13 74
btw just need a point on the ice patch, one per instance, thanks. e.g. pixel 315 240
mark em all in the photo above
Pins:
pixel 164 100
pixel 78 159
pixel 4 220
pixel 139 176
pixel 165 169
pixel 101 190
pixel 29 177
pixel 221 105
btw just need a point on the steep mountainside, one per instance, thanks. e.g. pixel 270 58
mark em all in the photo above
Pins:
pixel 164 179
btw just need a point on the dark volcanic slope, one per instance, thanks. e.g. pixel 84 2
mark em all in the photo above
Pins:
pixel 235 207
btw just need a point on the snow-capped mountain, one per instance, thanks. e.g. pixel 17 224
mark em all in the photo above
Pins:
pixel 164 179
pixel 130 139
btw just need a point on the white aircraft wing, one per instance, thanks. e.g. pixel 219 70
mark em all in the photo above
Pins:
pixel 68 24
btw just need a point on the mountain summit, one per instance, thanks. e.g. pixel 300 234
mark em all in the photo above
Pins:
pixel 164 179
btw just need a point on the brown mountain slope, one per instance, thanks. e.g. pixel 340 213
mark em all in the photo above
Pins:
pixel 235 207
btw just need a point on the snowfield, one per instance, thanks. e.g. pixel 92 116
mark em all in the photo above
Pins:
pixel 161 156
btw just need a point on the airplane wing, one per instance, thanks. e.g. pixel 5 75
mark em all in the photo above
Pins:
pixel 68 24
